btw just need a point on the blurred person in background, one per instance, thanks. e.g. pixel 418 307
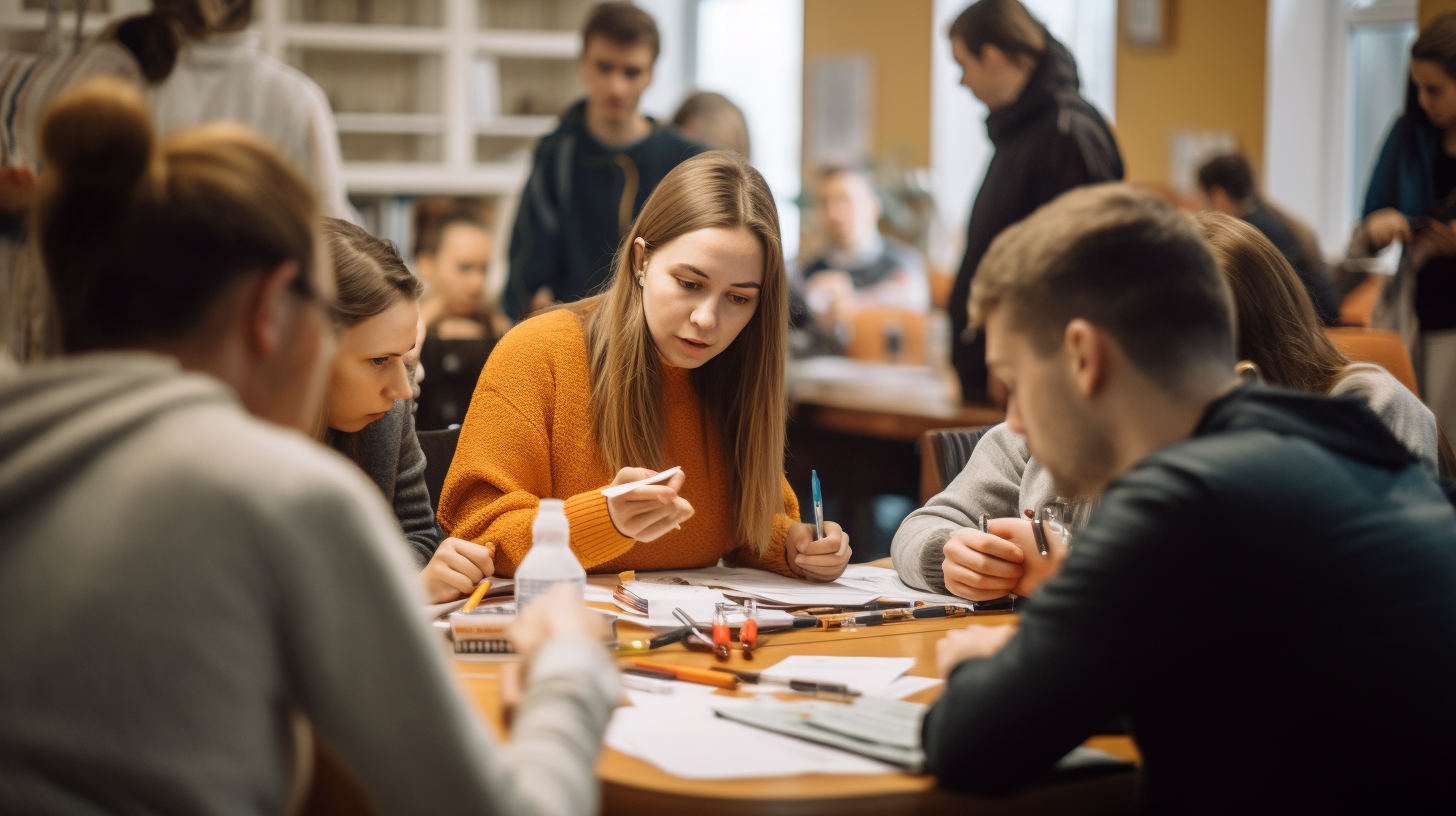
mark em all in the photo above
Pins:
pixel 710 119
pixel 1227 185
pixel 1048 139
pixel 453 253
pixel 590 177
pixel 1412 199
pixel 859 266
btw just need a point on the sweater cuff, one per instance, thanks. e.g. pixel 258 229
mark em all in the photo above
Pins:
pixel 594 537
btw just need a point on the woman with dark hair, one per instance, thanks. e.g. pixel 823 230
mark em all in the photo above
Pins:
pixel 367 414
pixel 938 547
pixel 1412 198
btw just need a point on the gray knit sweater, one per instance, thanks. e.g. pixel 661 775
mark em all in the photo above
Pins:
pixel 177 579
pixel 1002 480
pixel 388 450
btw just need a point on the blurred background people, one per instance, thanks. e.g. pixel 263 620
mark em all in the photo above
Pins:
pixel 453 252
pixel 590 177
pixel 1227 185
pixel 711 119
pixel 1048 139
pixel 859 266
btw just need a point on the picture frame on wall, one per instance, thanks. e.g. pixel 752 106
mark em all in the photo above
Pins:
pixel 1147 23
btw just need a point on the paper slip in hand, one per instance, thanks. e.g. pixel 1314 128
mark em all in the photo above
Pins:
pixel 617 490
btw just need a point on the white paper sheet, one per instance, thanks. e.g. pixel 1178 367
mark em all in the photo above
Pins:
pixel 887 584
pixel 617 490
pixel 683 737
pixel 904 687
pixel 870 675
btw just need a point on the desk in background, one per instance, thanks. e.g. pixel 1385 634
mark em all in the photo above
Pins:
pixel 859 425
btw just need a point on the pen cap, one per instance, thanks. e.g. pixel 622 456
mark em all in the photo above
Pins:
pixel 550 526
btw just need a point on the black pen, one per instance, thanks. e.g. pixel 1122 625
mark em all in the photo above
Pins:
pixel 664 639
pixel 801 686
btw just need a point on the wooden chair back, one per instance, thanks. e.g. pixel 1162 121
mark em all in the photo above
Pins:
pixel 1359 305
pixel 887 334
pixel 1379 346
pixel 943 455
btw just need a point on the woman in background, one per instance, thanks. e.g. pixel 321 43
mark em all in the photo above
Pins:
pixel 367 410
pixel 679 363
pixel 1412 198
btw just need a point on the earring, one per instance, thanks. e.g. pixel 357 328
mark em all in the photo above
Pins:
pixel 639 276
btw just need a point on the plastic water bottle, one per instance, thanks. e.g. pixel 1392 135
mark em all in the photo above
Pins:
pixel 550 560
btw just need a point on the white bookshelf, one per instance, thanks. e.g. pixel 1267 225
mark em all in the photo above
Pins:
pixel 431 97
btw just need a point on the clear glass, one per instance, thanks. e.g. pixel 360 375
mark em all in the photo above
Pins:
pixel 1378 76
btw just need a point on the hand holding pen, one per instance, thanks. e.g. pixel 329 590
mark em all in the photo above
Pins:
pixel 1002 558
pixel 818 551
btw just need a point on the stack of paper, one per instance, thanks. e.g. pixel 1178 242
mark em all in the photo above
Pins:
pixel 690 741
pixel 860 584
pixel 887 730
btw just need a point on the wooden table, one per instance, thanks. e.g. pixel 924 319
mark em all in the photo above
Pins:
pixel 632 787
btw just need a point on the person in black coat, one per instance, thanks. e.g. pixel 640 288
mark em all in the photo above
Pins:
pixel 1048 139
pixel 1267 591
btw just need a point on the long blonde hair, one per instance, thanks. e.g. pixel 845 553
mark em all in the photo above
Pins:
pixel 742 389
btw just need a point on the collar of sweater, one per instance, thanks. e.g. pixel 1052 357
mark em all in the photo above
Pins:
pixel 1054 77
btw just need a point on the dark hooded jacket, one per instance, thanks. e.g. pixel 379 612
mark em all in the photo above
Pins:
pixel 1272 605
pixel 1047 142
pixel 579 202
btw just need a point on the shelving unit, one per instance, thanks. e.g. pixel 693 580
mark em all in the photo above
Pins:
pixel 432 97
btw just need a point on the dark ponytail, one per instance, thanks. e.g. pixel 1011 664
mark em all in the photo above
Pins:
pixel 139 238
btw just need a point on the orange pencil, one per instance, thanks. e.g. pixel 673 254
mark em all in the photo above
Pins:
pixel 705 676
pixel 475 596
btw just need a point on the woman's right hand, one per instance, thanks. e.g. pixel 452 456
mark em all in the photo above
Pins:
pixel 651 510
pixel 456 568
pixel 1387 225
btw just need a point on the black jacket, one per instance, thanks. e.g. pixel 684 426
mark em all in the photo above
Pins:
pixel 578 203
pixel 1272 605
pixel 1047 142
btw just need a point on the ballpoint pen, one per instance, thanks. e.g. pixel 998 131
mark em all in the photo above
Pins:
pixel 801 686
pixel 818 504
pixel 1038 533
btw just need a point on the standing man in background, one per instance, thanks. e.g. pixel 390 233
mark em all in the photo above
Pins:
pixel 1048 139
pixel 591 176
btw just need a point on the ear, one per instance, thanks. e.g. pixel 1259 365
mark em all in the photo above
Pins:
pixel 266 313
pixel 639 255
pixel 1089 355
pixel 991 58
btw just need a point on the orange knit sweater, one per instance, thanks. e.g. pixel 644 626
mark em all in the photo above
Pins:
pixel 529 434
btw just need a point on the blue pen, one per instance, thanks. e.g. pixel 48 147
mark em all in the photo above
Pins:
pixel 818 504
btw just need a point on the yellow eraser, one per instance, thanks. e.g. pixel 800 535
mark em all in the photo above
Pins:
pixel 629 575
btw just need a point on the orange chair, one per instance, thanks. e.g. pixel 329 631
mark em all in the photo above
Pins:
pixel 875 328
pixel 1359 304
pixel 1377 346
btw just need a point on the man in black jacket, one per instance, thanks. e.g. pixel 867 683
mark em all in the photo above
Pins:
pixel 1268 589
pixel 591 176
pixel 1047 139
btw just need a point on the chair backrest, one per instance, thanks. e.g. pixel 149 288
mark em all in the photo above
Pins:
pixel 879 330
pixel 1379 346
pixel 1359 305
pixel 439 448
pixel 943 455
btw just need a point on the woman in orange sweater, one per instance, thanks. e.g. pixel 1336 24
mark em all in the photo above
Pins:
pixel 680 362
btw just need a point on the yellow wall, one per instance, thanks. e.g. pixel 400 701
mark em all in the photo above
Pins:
pixel 1430 8
pixel 896 35
pixel 1210 77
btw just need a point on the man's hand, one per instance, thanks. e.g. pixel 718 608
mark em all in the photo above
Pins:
pixel 456 568
pixel 972 642
pixel 981 566
pixel 822 560
pixel 1437 239
pixel 647 512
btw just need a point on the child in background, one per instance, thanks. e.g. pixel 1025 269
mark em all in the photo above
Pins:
pixel 679 363
pixel 453 254
pixel 367 410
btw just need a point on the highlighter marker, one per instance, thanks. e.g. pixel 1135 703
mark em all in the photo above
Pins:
pixel 818 504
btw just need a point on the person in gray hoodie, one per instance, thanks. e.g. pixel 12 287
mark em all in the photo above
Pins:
pixel 184 575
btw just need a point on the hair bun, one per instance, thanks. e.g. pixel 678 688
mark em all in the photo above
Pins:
pixel 97 137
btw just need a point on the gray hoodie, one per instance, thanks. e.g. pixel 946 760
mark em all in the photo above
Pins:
pixel 179 579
